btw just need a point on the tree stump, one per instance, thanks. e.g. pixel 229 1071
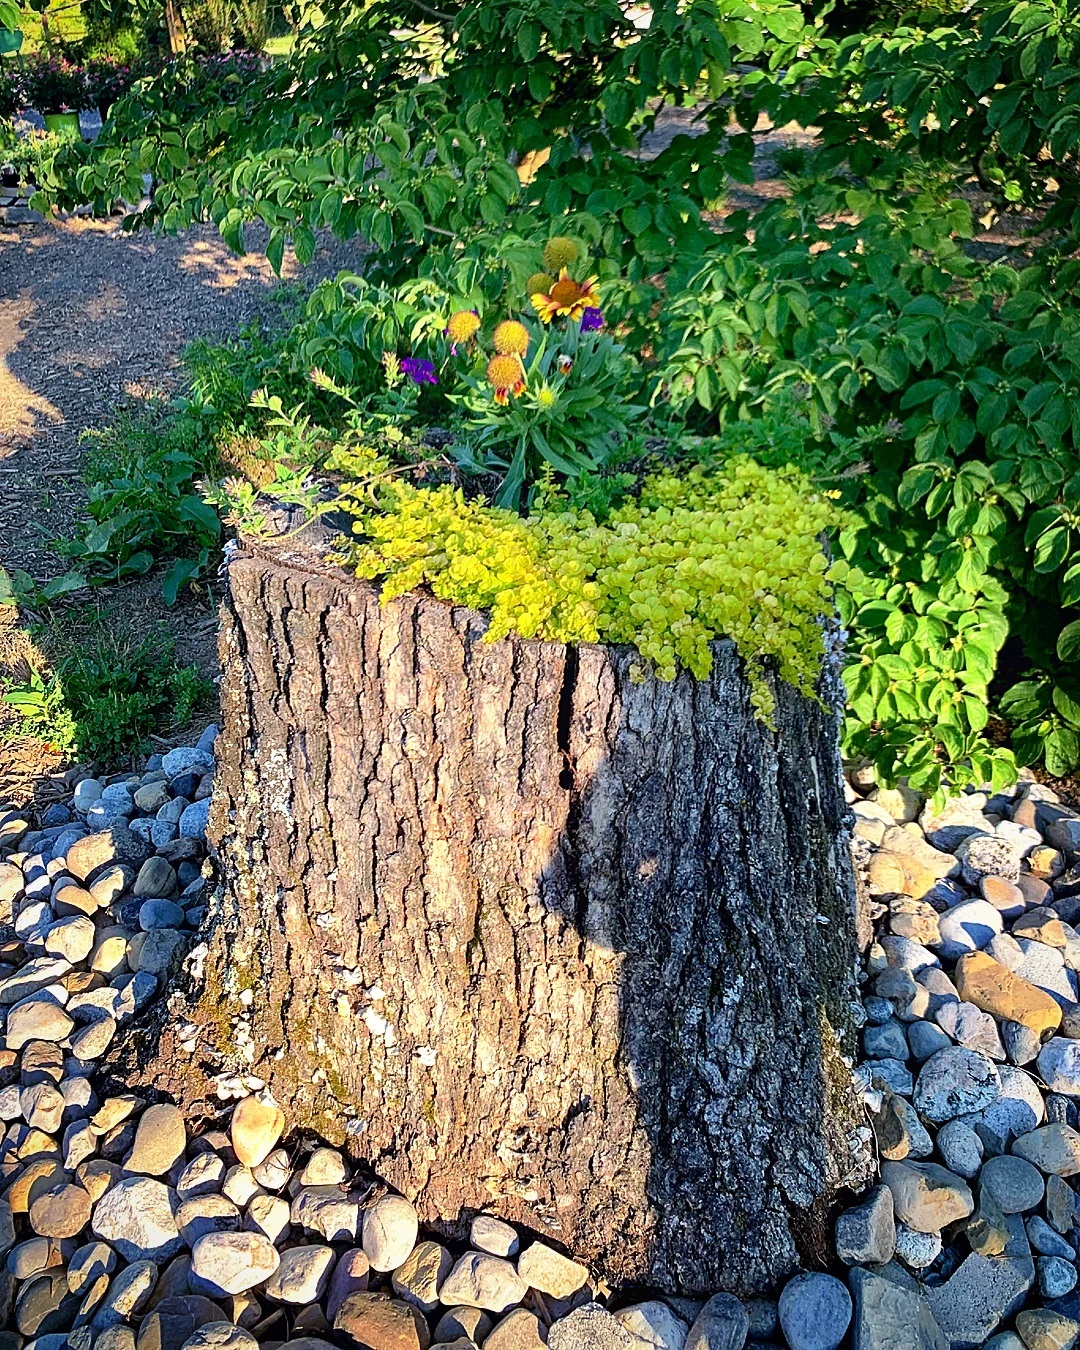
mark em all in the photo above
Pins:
pixel 532 935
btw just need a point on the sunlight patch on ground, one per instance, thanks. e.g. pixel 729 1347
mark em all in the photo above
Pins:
pixel 223 269
pixel 21 410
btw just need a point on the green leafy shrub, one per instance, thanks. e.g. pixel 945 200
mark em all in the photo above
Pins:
pixel 402 128
pixel 956 382
pixel 99 695
pixel 989 91
pixel 143 501
pixel 31 152
pixel 120 692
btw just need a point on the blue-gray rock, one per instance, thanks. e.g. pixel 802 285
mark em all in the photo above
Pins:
pixel 866 1233
pixel 972 1028
pixel 967 927
pixel 984 1291
pixel 187 759
pixel 1018 1109
pixel 207 739
pixel 144 828
pixel 878 1010
pixel 925 1039
pixel 722 1324
pixel 815 1311
pixel 193 821
pixel 886 1041
pixel 1043 1238
pixel 160 914
pixel 1016 1185
pixel 163 832
pixel 892 1312
pixel 1059 1065
pixel 893 1074
pixel 1055 1277
pixel 1021 1043
pixel 961 1148
pixel 955 1082
pixel 120 797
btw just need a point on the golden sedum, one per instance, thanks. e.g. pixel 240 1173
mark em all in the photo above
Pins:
pixel 732 553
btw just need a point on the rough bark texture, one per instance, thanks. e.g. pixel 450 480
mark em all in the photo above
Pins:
pixel 531 937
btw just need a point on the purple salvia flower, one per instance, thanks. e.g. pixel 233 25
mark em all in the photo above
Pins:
pixel 419 370
pixel 592 320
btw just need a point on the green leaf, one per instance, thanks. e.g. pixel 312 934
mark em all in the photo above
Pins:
pixel 1067 706
pixel 180 573
pixel 1068 643
pixel 1061 749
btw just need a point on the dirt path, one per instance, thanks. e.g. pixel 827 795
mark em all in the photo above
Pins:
pixel 92 319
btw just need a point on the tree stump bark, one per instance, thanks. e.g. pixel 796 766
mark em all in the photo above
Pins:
pixel 531 937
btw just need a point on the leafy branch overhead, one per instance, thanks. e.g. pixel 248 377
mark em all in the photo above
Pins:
pixel 401 127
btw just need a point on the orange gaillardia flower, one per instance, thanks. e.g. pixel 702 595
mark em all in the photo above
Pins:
pixel 567 298
pixel 506 375
pixel 463 326
pixel 510 338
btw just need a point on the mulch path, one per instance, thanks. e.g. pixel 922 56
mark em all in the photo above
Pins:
pixel 94 320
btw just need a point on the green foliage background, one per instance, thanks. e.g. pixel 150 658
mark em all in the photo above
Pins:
pixel 933 380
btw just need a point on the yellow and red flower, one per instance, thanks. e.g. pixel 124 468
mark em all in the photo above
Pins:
pixel 567 298
pixel 506 375
pixel 510 338
pixel 463 326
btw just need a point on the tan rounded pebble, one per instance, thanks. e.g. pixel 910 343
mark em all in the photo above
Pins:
pixel 256 1128
pixel 62 1212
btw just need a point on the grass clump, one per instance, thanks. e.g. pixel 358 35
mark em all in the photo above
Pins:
pixel 97 695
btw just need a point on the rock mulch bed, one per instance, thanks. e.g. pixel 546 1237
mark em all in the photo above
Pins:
pixel 971 1070
pixel 119 1230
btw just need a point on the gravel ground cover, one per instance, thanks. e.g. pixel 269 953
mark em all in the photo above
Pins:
pixel 125 1227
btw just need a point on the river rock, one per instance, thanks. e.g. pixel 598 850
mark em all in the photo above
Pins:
pixel 60 1212
pixel 481 1281
pixel 984 1291
pixel 374 1322
pixel 543 1268
pixel 488 1234
pixel 1051 1148
pixel 419 1277
pixel 652 1323
pixel 256 1127
pixel 230 1263
pixel 891 1312
pixel 389 1233
pixel 993 988
pixel 160 1141
pixel 1016 1185
pixel 815 1311
pixel 302 1275
pixel 136 1217
pixel 955 1082
pixel 866 1233
pixel 925 1196
pixel 722 1324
